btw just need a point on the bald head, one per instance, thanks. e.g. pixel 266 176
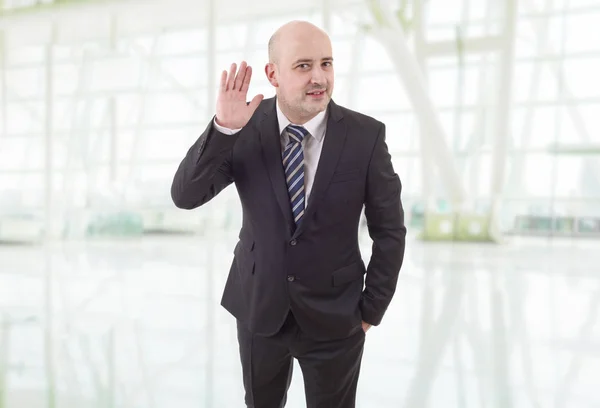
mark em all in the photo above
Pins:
pixel 294 31
pixel 300 68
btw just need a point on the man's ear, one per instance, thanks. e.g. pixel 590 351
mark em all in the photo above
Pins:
pixel 271 74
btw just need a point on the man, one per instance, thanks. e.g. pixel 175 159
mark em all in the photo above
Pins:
pixel 304 168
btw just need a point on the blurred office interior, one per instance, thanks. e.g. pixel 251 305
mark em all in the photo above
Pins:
pixel 109 294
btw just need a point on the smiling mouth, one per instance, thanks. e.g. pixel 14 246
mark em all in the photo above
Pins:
pixel 316 93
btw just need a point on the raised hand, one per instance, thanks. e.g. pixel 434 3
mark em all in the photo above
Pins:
pixel 232 110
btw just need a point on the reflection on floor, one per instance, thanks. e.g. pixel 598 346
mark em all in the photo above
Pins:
pixel 137 324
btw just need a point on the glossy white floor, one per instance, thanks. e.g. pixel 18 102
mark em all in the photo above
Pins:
pixel 137 324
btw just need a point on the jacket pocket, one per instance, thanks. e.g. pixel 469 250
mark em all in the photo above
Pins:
pixel 244 257
pixel 348 273
pixel 242 245
pixel 345 175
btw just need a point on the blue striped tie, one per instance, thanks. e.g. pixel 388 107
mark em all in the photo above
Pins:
pixel 293 162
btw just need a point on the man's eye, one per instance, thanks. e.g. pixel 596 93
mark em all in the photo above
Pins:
pixel 327 64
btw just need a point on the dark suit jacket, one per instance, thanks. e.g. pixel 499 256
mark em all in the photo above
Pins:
pixel 316 269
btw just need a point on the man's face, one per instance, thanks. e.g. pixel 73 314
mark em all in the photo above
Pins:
pixel 303 73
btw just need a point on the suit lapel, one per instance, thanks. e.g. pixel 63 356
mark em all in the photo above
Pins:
pixel 270 141
pixel 335 138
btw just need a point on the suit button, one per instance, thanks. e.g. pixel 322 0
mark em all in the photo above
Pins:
pixel 293 242
pixel 291 278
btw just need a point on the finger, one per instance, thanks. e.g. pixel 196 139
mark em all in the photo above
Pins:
pixel 239 79
pixel 255 102
pixel 223 83
pixel 246 83
pixel 231 79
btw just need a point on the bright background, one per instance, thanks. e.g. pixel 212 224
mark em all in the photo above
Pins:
pixel 109 295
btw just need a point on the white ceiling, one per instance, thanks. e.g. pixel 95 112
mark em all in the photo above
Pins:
pixel 78 22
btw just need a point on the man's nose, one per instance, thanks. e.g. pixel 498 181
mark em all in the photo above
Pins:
pixel 318 76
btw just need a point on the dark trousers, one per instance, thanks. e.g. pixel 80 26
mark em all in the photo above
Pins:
pixel 330 368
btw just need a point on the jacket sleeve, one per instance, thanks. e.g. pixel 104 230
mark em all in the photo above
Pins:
pixel 205 170
pixel 385 223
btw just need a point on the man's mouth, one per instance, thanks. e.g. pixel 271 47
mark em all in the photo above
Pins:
pixel 316 93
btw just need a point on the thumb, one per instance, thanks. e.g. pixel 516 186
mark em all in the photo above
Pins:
pixel 255 102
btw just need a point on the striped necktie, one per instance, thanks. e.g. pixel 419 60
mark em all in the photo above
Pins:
pixel 293 162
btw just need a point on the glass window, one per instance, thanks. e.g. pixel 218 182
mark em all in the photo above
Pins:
pixel 534 81
pixel 581 77
pixel 25 118
pixel 176 72
pixel 447 119
pixel 225 59
pixel 345 56
pixel 569 133
pixel 341 26
pixel 13 152
pixel 118 73
pixel 583 31
pixel 342 91
pixel 538 131
pixel 479 174
pixel 537 175
pixel 233 36
pixel 409 170
pixel 471 132
pixel 21 189
pixel 446 11
pixel 169 108
pixel 568 176
pixel 26 82
pixel 478 9
pixel 401 132
pixel 264 27
pixel 442 84
pixel 67 78
pixel 170 84
pixel 375 57
pixel 25 54
pixel 168 143
pixel 380 93
pixel 590 119
pixel 182 41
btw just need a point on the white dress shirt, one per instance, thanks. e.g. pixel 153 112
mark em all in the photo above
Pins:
pixel 312 144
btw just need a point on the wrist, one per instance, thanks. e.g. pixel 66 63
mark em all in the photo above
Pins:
pixel 224 129
pixel 225 124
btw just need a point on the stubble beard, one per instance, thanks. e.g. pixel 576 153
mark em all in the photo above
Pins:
pixel 303 107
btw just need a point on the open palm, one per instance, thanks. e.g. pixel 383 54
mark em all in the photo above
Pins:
pixel 233 111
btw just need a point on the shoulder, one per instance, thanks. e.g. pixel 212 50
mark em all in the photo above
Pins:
pixel 363 122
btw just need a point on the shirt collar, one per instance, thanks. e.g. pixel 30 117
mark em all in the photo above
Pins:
pixel 313 126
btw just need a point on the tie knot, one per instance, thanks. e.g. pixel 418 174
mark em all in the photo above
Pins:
pixel 297 132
